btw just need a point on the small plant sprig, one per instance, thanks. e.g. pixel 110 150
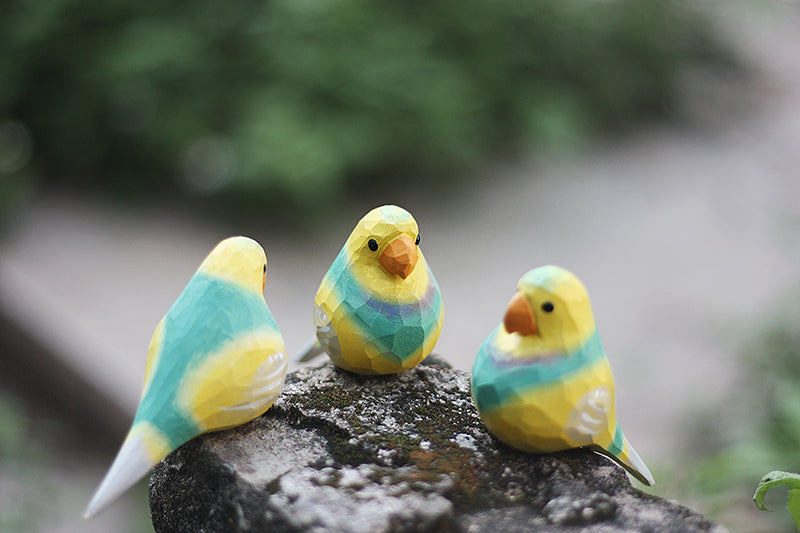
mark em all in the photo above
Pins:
pixel 776 477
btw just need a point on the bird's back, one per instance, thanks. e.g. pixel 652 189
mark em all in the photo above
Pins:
pixel 208 314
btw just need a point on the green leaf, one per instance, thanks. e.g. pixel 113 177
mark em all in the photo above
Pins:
pixel 774 478
pixel 793 504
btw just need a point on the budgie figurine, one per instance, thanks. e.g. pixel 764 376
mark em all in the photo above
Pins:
pixel 541 380
pixel 216 360
pixel 378 309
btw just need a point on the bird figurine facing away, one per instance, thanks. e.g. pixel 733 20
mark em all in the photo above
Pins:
pixel 216 360
pixel 541 380
pixel 378 309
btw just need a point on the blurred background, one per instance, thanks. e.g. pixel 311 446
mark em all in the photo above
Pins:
pixel 650 147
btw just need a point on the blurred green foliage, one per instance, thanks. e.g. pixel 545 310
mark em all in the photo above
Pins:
pixel 43 486
pixel 757 428
pixel 302 100
pixel 19 470
pixel 764 415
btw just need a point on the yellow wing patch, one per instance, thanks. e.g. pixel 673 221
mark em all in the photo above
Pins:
pixel 151 440
pixel 544 420
pixel 237 383
pixel 153 355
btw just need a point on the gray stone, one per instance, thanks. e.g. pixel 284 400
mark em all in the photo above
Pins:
pixel 407 452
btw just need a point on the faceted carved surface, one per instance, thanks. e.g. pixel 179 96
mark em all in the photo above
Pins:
pixel 541 379
pixel 399 257
pixel 378 309
pixel 552 419
pixel 590 416
pixel 216 360
pixel 406 452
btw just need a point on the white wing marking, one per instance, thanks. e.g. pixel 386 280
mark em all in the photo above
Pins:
pixel 589 417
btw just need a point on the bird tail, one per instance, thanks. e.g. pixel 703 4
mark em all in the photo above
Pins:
pixel 141 450
pixel 311 350
pixel 621 451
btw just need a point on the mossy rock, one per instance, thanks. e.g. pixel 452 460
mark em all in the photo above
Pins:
pixel 406 452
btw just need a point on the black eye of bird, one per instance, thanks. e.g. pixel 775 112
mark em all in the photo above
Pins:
pixel 417 241
pixel 373 244
pixel 547 307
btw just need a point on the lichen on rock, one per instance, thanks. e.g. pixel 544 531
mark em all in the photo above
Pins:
pixel 404 452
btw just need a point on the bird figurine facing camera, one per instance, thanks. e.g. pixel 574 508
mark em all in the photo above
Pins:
pixel 378 309
pixel 216 360
pixel 541 380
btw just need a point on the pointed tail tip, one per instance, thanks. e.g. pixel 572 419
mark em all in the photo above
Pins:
pixel 100 499
pixel 90 510
pixel 637 468
pixel 311 350
pixel 130 465
pixel 306 357
pixel 643 474
pixel 649 477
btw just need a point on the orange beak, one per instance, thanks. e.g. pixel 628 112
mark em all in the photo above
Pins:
pixel 264 283
pixel 400 257
pixel 519 318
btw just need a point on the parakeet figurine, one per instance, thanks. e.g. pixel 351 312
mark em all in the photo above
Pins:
pixel 378 309
pixel 216 360
pixel 541 380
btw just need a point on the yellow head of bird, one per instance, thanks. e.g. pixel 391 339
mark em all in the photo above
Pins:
pixel 240 260
pixel 550 311
pixel 385 243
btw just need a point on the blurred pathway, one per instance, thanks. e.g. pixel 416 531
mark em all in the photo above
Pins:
pixel 686 240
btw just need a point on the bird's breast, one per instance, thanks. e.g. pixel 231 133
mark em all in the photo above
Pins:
pixel 498 378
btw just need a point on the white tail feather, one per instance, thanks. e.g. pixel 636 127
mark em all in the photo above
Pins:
pixel 634 464
pixel 131 464
pixel 638 465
